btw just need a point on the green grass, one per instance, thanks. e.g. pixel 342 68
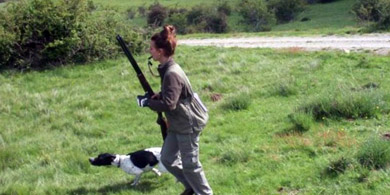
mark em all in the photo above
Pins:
pixel 330 18
pixel 52 121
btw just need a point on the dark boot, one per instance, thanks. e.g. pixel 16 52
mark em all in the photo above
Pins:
pixel 188 191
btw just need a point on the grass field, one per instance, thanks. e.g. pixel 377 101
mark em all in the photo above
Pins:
pixel 52 121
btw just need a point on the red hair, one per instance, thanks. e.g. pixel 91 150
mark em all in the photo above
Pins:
pixel 166 40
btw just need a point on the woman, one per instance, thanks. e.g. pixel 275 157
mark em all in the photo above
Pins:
pixel 185 114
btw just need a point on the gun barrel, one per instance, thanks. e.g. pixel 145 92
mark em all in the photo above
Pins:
pixel 144 83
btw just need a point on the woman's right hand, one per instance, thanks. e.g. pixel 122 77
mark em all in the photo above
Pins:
pixel 156 96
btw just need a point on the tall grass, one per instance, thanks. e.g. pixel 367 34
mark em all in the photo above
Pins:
pixel 348 105
pixel 375 153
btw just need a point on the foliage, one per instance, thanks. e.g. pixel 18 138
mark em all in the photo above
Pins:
pixel 224 7
pixel 156 15
pixel 43 33
pixel 321 1
pixel 375 153
pixel 377 11
pixel 206 19
pixel 179 20
pixel 256 14
pixel 286 11
pixel 367 10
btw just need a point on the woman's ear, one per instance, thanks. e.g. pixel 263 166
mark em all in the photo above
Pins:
pixel 161 52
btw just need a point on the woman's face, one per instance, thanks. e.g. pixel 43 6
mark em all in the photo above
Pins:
pixel 155 52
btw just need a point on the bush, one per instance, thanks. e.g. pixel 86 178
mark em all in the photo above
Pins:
pixel 375 153
pixel 224 7
pixel 377 11
pixel 286 11
pixel 156 15
pixel 319 1
pixel 43 33
pixel 179 20
pixel 384 16
pixel 367 10
pixel 206 19
pixel 256 14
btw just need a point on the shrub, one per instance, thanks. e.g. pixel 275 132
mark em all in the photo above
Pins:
pixel 367 10
pixel 384 16
pixel 179 20
pixel 43 33
pixel 206 19
pixel 326 1
pixel 256 14
pixel 377 11
pixel 286 11
pixel 224 7
pixel 319 1
pixel 216 23
pixel 156 15
pixel 375 153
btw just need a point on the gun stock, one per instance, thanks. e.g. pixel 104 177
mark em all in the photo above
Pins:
pixel 144 83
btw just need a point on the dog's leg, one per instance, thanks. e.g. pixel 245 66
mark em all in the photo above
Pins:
pixel 136 180
pixel 156 171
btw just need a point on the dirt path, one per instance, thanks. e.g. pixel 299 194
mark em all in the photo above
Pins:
pixel 377 43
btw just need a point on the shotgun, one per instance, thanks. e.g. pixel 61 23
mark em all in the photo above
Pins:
pixel 145 85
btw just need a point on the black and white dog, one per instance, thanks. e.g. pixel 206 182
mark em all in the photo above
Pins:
pixel 135 163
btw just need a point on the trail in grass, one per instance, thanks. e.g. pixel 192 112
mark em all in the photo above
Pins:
pixel 377 43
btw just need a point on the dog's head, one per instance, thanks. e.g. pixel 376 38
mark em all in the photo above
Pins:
pixel 103 159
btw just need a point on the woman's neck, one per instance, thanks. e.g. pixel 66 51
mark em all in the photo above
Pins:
pixel 164 59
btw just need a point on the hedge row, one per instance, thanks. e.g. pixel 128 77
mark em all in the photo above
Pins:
pixel 376 11
pixel 43 33
pixel 259 15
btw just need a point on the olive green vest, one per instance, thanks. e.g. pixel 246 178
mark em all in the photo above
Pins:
pixel 190 114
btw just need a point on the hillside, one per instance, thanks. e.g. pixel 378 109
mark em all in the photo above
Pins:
pixel 53 121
